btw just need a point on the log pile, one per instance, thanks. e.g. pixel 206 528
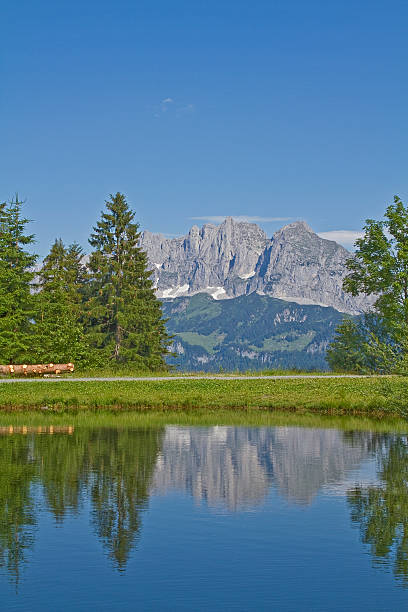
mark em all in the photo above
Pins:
pixel 24 429
pixel 41 369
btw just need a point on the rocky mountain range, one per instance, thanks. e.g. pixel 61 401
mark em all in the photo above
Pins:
pixel 237 258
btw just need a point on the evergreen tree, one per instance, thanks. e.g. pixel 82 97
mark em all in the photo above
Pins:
pixel 16 275
pixel 344 352
pixel 124 316
pixel 367 345
pixel 64 266
pixel 59 335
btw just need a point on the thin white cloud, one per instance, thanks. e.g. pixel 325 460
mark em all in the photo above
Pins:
pixel 169 106
pixel 345 237
pixel 245 218
pixel 165 104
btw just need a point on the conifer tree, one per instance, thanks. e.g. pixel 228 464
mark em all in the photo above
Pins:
pixel 59 335
pixel 366 345
pixel 124 315
pixel 16 276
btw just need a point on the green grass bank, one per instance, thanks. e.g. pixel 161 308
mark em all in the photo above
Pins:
pixel 372 397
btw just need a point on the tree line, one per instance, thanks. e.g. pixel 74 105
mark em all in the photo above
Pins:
pixel 99 310
pixel 377 341
pixel 102 310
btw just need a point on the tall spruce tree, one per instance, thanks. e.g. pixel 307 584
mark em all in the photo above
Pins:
pixel 124 316
pixel 58 333
pixel 16 276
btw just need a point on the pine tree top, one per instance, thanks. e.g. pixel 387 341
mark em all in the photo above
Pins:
pixel 116 233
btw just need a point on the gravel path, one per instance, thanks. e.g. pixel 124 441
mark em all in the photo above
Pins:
pixel 176 378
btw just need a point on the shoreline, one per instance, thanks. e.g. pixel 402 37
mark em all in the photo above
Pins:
pixel 54 422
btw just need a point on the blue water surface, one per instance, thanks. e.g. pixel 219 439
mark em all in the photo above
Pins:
pixel 190 518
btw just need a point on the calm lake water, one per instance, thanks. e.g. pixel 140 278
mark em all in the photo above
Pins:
pixel 203 518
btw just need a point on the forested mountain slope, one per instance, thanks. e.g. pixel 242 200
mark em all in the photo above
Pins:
pixel 249 332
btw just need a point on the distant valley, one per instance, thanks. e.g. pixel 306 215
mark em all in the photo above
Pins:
pixel 248 332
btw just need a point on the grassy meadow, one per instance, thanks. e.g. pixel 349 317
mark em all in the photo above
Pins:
pixel 371 397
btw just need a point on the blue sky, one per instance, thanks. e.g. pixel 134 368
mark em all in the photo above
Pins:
pixel 264 109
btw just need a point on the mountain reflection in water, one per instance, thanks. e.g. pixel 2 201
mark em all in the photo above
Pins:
pixel 236 466
pixel 116 471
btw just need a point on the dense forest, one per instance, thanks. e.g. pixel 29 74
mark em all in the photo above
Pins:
pixel 93 311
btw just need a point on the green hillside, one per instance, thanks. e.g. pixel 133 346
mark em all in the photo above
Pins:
pixel 249 332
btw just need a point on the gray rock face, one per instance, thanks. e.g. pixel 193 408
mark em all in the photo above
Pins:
pixel 237 258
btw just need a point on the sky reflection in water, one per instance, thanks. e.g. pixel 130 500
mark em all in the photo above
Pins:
pixel 196 518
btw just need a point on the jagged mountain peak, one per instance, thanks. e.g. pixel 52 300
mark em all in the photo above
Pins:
pixel 299 226
pixel 237 258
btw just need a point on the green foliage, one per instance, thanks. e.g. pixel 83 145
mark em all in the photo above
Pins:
pixel 380 265
pixel 58 334
pixel 16 275
pixel 344 353
pixel 64 267
pixel 251 332
pixel 108 313
pixel 124 316
pixel 379 342
pixel 366 345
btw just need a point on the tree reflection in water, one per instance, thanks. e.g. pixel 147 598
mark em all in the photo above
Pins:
pixel 17 516
pixel 112 468
pixel 381 511
pixel 122 470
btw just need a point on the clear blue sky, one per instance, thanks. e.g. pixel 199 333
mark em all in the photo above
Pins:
pixel 261 108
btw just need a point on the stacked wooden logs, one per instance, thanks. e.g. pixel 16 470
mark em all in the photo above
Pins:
pixel 41 429
pixel 41 369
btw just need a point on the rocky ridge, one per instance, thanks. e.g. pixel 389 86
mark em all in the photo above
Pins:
pixel 237 258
